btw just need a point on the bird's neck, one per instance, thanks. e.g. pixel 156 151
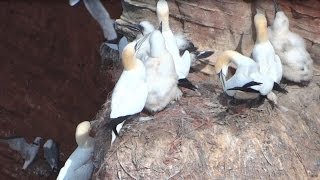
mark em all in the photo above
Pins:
pixel 165 23
pixel 85 141
pixel 262 34
pixel 128 63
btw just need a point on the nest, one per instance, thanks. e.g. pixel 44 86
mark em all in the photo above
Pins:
pixel 207 137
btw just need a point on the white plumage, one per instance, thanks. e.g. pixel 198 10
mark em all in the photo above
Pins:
pixel 247 72
pixel 130 92
pixel 182 64
pixel 296 61
pixel 101 15
pixel 79 165
pixel 263 52
pixel 161 76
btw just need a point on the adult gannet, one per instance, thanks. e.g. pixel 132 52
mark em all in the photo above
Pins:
pixel 113 40
pixel 264 54
pixel 296 61
pixel 130 92
pixel 182 63
pixel 51 154
pixel 27 151
pixel 161 75
pixel 247 77
pixel 80 165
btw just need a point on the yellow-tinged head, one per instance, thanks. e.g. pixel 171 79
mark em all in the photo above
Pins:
pixel 260 22
pixel 82 134
pixel 128 56
pixel 163 11
pixel 224 59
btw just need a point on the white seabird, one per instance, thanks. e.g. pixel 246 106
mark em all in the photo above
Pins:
pixel 161 75
pixel 145 27
pixel 51 154
pixel 296 61
pixel 182 63
pixel 114 41
pixel 27 151
pixel 80 165
pixel 264 54
pixel 247 77
pixel 130 92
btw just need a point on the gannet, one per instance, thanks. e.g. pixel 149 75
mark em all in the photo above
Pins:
pixel 80 165
pixel 182 63
pixel 145 27
pixel 264 54
pixel 27 151
pixel 247 77
pixel 113 40
pixel 130 92
pixel 161 75
pixel 296 61
pixel 51 154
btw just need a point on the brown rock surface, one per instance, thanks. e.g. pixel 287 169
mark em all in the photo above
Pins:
pixel 218 25
pixel 49 74
pixel 208 137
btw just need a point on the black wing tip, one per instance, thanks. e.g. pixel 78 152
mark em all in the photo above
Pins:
pixel 185 83
pixel 247 87
pixel 278 88
pixel 114 122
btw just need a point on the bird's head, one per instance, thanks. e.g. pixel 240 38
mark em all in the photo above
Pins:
pixel 83 138
pixel 281 22
pixel 128 56
pixel 37 140
pixel 221 66
pixel 260 22
pixel 163 11
pixel 146 27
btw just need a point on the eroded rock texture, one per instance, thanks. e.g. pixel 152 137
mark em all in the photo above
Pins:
pixel 218 25
pixel 208 136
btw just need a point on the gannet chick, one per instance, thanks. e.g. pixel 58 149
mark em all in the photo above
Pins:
pixel 27 151
pixel 296 61
pixel 182 63
pixel 264 54
pixel 130 92
pixel 247 77
pixel 161 75
pixel 80 165
pixel 51 154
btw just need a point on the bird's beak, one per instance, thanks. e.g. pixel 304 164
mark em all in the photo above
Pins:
pixel 133 27
pixel 221 77
pixel 160 27
pixel 276 7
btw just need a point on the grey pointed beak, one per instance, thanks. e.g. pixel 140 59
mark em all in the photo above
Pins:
pixel 277 8
pixel 220 75
pixel 133 27
pixel 160 27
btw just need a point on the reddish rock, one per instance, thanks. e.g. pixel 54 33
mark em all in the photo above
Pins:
pixel 218 25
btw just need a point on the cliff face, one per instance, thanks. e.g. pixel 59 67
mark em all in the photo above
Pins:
pixel 218 25
pixel 49 74
pixel 211 136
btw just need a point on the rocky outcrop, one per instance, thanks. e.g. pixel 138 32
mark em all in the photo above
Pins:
pixel 211 136
pixel 218 25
